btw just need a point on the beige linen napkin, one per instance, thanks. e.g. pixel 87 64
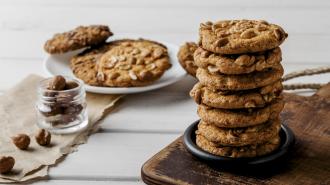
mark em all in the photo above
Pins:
pixel 17 115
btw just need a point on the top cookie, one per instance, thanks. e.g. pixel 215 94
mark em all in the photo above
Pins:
pixel 240 36
pixel 186 57
pixel 78 38
pixel 133 63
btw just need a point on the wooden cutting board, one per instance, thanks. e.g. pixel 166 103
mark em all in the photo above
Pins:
pixel 308 163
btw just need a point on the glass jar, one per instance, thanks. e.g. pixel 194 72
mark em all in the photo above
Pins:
pixel 64 111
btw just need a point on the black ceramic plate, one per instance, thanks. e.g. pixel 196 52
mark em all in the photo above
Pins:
pixel 287 141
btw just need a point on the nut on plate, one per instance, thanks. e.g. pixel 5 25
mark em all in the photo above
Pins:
pixel 43 137
pixel 6 164
pixel 22 141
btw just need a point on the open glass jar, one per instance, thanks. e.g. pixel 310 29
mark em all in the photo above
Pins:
pixel 62 111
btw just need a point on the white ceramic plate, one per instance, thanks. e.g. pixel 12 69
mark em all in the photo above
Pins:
pixel 60 65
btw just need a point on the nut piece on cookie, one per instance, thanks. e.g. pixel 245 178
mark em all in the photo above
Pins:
pixel 186 57
pixel 78 38
pixel 21 141
pixel 6 164
pixel 240 36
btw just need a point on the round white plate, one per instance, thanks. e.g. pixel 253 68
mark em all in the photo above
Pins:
pixel 60 65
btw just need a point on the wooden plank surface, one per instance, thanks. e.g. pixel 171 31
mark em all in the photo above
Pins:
pixel 308 163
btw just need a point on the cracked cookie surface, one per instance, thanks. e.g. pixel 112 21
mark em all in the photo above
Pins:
pixel 216 81
pixel 186 57
pixel 236 99
pixel 133 63
pixel 232 118
pixel 237 64
pixel 239 136
pixel 84 64
pixel 77 38
pixel 240 36
pixel 240 151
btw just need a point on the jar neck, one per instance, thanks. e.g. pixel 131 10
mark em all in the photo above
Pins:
pixel 74 95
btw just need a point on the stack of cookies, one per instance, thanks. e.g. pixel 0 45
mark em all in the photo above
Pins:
pixel 239 88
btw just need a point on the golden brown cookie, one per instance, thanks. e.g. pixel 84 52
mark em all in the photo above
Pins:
pixel 231 118
pixel 133 63
pixel 84 65
pixel 78 38
pixel 240 136
pixel 236 99
pixel 186 57
pixel 240 36
pixel 237 64
pixel 216 81
pixel 240 151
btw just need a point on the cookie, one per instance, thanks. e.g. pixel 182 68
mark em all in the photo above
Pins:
pixel 133 63
pixel 236 99
pixel 240 36
pixel 231 118
pixel 84 65
pixel 240 151
pixel 78 38
pixel 239 136
pixel 237 64
pixel 186 57
pixel 216 81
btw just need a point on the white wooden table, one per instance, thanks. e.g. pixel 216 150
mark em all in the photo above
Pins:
pixel 143 124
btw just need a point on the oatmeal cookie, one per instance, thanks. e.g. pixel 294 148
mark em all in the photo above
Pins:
pixel 186 57
pixel 240 151
pixel 236 99
pixel 231 118
pixel 78 38
pixel 133 63
pixel 240 36
pixel 237 64
pixel 216 81
pixel 84 65
pixel 240 136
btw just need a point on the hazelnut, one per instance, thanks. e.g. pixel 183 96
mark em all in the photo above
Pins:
pixel 43 137
pixel 6 164
pixel 22 141
pixel 57 83
pixel 70 85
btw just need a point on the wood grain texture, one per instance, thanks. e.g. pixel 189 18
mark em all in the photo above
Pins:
pixel 308 117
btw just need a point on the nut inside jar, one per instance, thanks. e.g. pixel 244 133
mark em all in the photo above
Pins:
pixel 61 105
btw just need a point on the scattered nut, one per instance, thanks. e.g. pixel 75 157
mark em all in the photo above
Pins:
pixel 57 83
pixel 6 164
pixel 43 137
pixel 22 141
